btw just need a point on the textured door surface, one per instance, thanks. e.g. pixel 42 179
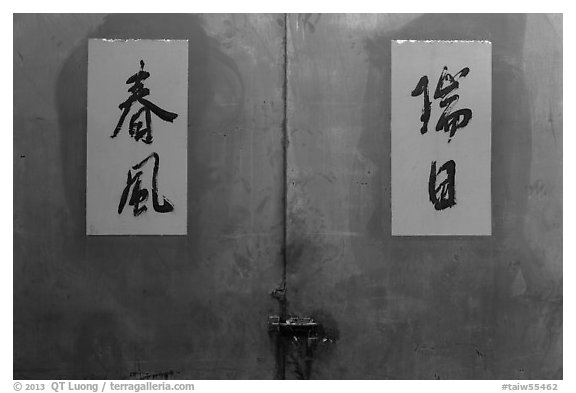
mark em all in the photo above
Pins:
pixel 288 183
pixel 423 307
pixel 191 306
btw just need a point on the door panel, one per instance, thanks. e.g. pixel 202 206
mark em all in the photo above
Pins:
pixel 422 307
pixel 189 306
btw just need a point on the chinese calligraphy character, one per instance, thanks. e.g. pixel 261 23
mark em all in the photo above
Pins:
pixel 136 128
pixel 139 195
pixel 449 121
pixel 443 195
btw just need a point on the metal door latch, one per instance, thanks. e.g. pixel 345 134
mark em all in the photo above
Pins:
pixel 292 325
pixel 295 327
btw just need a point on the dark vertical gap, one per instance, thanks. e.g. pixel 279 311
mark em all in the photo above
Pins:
pixel 285 156
pixel 280 342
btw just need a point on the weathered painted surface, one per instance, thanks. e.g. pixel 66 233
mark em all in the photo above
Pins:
pixel 191 306
pixel 196 306
pixel 406 308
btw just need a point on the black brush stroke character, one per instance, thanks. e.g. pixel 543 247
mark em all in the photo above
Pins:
pixel 139 195
pixel 443 195
pixel 449 121
pixel 136 129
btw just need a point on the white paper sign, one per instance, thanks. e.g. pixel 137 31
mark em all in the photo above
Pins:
pixel 441 130
pixel 137 137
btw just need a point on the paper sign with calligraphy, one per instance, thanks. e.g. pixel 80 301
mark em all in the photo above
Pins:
pixel 137 137
pixel 441 130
